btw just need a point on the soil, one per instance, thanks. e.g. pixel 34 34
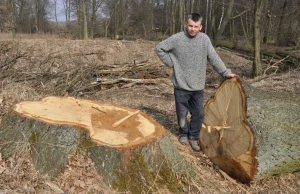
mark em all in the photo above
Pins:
pixel 32 69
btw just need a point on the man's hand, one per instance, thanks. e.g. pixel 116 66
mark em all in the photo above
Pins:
pixel 231 75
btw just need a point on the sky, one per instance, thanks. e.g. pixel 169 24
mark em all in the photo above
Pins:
pixel 59 11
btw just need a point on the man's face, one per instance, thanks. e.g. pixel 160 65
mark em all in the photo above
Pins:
pixel 192 27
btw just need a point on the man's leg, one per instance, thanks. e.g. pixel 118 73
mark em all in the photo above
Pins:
pixel 182 107
pixel 197 114
pixel 197 117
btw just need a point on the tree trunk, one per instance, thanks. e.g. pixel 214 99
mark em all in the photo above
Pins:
pixel 181 15
pixel 55 10
pixel 79 18
pixel 85 27
pixel 245 32
pixel 192 6
pixel 291 57
pixel 130 150
pixel 115 21
pixel 93 18
pixel 257 70
pixel 106 27
pixel 37 14
pixel 226 19
pixel 251 134
pixel 281 22
pixel 206 14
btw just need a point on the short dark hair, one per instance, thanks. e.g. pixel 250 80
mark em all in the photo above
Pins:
pixel 195 17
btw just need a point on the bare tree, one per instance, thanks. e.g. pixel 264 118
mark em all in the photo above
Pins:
pixel 67 9
pixel 281 21
pixel 258 8
pixel 96 5
pixel 55 10
pixel 181 15
pixel 207 14
pixel 11 6
pixel 227 18
pixel 84 13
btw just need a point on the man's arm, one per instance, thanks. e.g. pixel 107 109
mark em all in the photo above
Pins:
pixel 218 65
pixel 162 50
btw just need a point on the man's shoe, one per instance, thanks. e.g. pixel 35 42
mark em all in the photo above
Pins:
pixel 194 145
pixel 183 140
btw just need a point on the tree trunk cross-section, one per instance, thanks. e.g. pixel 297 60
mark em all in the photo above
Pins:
pixel 99 120
pixel 130 150
pixel 251 134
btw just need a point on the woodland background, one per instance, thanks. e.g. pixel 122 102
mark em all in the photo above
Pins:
pixel 153 19
pixel 249 22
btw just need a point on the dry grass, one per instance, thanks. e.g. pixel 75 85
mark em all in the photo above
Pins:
pixel 48 64
pixel 8 36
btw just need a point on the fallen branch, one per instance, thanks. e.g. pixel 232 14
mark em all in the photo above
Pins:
pixel 12 61
pixel 138 81
pixel 125 81
pixel 226 176
pixel 128 67
pixel 274 65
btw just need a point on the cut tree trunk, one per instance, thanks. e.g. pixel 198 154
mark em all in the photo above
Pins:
pixel 251 134
pixel 130 150
pixel 292 57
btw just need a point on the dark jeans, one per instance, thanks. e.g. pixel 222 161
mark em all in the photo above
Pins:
pixel 189 101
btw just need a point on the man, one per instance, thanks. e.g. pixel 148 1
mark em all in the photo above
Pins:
pixel 188 53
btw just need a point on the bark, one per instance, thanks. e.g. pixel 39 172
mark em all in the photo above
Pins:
pixel 251 134
pixel 37 14
pixel 257 70
pixel 192 6
pixel 12 13
pixel 226 19
pixel 245 32
pixel 222 15
pixel 55 9
pixel 93 18
pixel 181 15
pixel 85 26
pixel 130 150
pixel 280 28
pixel 206 18
pixel 115 21
pixel 173 19
pixel 79 18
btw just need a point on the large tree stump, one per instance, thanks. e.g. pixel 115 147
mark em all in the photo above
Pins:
pixel 251 134
pixel 130 150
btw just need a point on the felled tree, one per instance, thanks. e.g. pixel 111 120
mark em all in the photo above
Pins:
pixel 130 150
pixel 251 134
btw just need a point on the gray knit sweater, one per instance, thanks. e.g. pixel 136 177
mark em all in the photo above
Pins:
pixel 189 58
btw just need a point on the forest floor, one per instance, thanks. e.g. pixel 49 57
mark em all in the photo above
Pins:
pixel 114 72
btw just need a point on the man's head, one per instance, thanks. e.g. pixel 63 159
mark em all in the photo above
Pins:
pixel 193 24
